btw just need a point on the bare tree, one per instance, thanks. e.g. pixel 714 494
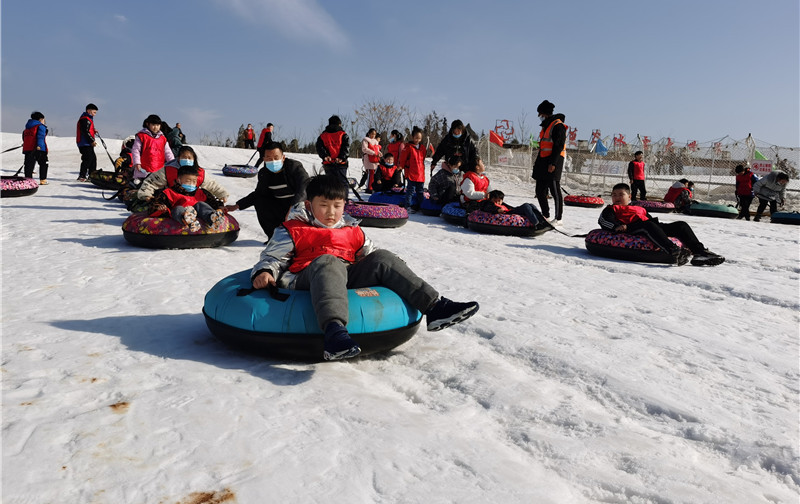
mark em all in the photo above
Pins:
pixel 384 116
pixel 523 132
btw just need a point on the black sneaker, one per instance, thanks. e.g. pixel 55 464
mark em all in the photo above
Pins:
pixel 681 256
pixel 338 343
pixel 707 258
pixel 446 313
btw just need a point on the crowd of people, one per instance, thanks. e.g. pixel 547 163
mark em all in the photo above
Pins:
pixel 313 245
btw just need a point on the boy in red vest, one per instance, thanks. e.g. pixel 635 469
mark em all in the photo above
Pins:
pixel 322 250
pixel 388 176
pixel 249 137
pixel 622 217
pixel 333 146
pixel 34 146
pixel 636 176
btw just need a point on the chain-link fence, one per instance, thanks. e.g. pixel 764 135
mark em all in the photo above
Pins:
pixel 593 168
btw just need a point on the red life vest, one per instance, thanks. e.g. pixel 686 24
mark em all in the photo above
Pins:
pixel 394 148
pixel 29 138
pixel 376 157
pixel 481 183
pixel 744 183
pixel 546 140
pixel 333 143
pixel 171 173
pixel 638 170
pixel 311 242
pixel 78 127
pixel 185 200
pixel 412 160
pixel 387 172
pixel 152 157
pixel 262 136
pixel 674 192
pixel 628 214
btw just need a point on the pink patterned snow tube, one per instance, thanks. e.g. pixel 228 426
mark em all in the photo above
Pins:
pixel 18 186
pixel 382 215
pixel 502 224
pixel 629 247
pixel 655 206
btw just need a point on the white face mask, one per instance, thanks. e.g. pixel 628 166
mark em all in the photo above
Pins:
pixel 542 118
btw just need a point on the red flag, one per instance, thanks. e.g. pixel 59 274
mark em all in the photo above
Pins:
pixel 496 139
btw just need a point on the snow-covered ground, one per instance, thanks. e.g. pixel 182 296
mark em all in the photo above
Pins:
pixel 581 379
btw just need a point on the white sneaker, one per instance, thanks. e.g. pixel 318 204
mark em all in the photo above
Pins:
pixel 555 222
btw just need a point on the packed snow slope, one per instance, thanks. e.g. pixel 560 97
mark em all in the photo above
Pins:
pixel 580 380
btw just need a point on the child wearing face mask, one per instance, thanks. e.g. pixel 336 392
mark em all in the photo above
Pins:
pixel 166 177
pixel 388 176
pixel 187 203
pixel 444 185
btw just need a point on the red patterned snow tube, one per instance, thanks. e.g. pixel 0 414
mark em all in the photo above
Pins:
pixel 142 230
pixel 628 247
pixel 18 186
pixel 380 215
pixel 502 224
pixel 584 201
pixel 655 206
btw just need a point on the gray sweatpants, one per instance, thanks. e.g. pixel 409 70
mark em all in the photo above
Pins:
pixel 328 278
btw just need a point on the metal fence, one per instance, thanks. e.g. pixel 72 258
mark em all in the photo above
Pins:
pixel 591 169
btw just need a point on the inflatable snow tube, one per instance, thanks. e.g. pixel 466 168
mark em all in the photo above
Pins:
pixel 13 187
pixel 582 200
pixel 628 247
pixel 141 230
pixel 380 215
pixel 785 218
pixel 379 319
pixel 430 207
pixel 244 171
pixel 503 224
pixel 454 213
pixel 712 210
pixel 655 206
pixel 392 197
pixel 107 180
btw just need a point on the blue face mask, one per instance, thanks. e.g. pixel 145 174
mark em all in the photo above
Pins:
pixel 456 171
pixel 189 188
pixel 391 140
pixel 458 136
pixel 186 162
pixel 388 165
pixel 274 166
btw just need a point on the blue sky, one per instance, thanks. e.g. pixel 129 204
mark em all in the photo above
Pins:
pixel 686 69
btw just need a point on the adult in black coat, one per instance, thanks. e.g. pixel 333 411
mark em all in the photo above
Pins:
pixel 549 162
pixel 281 184
pixel 457 143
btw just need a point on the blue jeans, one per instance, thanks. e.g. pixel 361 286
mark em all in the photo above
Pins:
pixel 411 188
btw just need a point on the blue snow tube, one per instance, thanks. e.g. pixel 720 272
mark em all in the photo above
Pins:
pixel 454 213
pixel 392 197
pixel 255 320
pixel 430 207
pixel 785 218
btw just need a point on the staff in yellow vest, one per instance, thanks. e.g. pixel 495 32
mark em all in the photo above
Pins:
pixel 549 162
